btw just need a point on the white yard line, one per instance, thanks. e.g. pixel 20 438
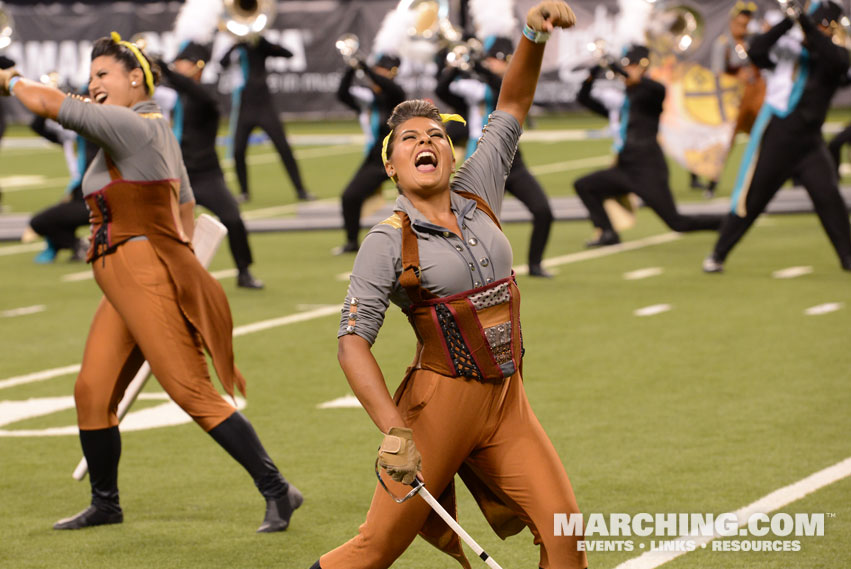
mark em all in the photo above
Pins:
pixel 825 308
pixel 23 311
pixel 590 162
pixel 326 310
pixel 26 248
pixel 89 275
pixel 334 309
pixel 769 503
pixel 283 321
pixel 639 274
pixel 283 209
pixel 39 376
pixel 791 272
pixel 653 310
pixel 612 249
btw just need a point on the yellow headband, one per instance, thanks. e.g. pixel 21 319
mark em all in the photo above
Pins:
pixel 742 6
pixel 445 118
pixel 143 62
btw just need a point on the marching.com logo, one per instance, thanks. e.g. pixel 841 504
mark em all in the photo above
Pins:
pixel 690 530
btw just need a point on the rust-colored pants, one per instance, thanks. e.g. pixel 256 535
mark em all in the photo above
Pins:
pixel 493 429
pixel 139 315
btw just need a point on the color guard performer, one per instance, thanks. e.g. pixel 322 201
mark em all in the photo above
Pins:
pixel 461 407
pixel 159 303
pixel 786 140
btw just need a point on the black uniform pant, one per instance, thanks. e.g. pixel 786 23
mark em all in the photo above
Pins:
pixel 212 193
pixel 261 114
pixel 522 185
pixel 837 143
pixel 784 153
pixel 59 222
pixel 650 184
pixel 368 178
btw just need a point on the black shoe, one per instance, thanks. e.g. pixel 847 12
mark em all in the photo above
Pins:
pixel 305 196
pixel 846 264
pixel 279 511
pixel 538 271
pixel 349 247
pixel 90 517
pixel 607 237
pixel 711 265
pixel 246 280
pixel 242 198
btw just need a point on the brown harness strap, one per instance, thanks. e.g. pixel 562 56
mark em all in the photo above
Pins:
pixel 114 172
pixel 482 205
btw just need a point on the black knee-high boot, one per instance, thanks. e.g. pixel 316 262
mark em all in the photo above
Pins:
pixel 236 435
pixel 102 449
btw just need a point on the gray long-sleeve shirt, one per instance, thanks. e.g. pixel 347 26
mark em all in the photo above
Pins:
pixel 448 264
pixel 142 147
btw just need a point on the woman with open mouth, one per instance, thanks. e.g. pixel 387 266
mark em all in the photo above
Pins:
pixel 461 408
pixel 159 302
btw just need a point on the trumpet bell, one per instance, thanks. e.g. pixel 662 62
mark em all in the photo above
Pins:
pixel 675 30
pixel 248 17
pixel 347 45
pixel 6 28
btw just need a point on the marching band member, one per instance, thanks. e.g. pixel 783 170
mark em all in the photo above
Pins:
pixel 196 122
pixel 641 167
pixel 729 56
pixel 786 140
pixel 58 223
pixel 255 108
pixel 461 407
pixel 374 103
pixel 159 303
pixel 479 92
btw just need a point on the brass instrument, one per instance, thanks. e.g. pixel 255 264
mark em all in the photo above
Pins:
pixel 50 79
pixel 7 26
pixel 246 18
pixel 464 55
pixel 599 49
pixel 430 25
pixel 674 29
pixel 349 47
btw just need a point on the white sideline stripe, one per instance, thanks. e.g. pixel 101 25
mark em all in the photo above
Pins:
pixel 23 311
pixel 769 503
pixel 239 331
pixel 639 274
pixel 791 272
pixel 328 310
pixel 825 308
pixel 27 248
pixel 39 376
pixel 653 309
